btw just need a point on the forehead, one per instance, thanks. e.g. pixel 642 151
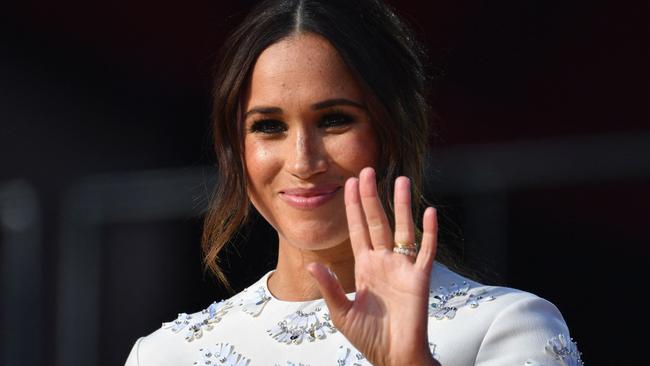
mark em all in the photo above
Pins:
pixel 301 68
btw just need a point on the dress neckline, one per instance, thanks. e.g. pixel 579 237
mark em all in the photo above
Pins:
pixel 264 283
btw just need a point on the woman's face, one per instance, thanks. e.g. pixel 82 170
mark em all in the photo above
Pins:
pixel 307 131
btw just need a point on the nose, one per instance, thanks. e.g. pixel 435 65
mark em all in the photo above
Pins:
pixel 306 156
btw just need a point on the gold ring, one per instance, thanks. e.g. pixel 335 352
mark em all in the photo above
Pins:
pixel 410 251
pixel 405 245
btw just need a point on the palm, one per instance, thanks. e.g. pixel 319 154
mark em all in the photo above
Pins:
pixel 387 320
pixel 390 306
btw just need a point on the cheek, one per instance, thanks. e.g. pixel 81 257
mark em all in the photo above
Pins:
pixel 356 151
pixel 255 157
pixel 259 161
pixel 264 160
pixel 262 164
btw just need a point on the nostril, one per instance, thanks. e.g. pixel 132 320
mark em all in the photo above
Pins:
pixel 307 166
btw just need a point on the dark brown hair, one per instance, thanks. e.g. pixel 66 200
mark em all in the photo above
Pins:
pixel 381 52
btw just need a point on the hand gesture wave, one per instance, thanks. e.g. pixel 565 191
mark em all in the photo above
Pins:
pixel 387 320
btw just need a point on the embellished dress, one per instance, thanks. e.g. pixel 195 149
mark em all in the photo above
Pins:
pixel 469 324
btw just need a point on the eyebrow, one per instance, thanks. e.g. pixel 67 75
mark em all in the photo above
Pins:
pixel 316 106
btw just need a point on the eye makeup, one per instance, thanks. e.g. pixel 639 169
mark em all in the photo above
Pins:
pixel 331 119
pixel 335 118
pixel 268 126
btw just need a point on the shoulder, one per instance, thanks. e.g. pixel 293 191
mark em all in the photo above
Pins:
pixel 171 344
pixel 500 325
pixel 452 296
pixel 447 285
pixel 177 342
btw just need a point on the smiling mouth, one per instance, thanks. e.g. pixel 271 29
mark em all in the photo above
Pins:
pixel 309 198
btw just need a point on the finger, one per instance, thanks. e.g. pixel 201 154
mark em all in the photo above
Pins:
pixel 329 286
pixel 378 227
pixel 404 231
pixel 429 244
pixel 359 238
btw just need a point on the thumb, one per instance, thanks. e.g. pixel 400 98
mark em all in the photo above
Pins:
pixel 332 292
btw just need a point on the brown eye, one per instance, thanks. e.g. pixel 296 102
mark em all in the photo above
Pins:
pixel 336 120
pixel 268 126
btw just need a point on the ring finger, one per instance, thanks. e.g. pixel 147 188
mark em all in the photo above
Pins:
pixel 404 227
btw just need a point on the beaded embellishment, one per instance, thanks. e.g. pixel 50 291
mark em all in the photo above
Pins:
pixel 350 357
pixel 432 348
pixel 199 322
pixel 222 354
pixel 300 325
pixel 252 302
pixel 445 301
pixel 564 349
pixel 289 363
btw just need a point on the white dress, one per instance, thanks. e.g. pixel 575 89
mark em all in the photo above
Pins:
pixel 469 324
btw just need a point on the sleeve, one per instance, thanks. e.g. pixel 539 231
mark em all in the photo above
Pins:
pixel 133 359
pixel 531 331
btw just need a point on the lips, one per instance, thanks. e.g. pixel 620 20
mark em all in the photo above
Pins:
pixel 309 198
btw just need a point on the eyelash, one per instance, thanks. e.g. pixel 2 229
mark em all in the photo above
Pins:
pixel 334 119
pixel 268 126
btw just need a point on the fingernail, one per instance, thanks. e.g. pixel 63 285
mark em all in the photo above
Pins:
pixel 369 171
pixel 332 273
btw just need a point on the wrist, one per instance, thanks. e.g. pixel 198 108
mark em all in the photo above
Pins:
pixel 430 361
pixel 426 359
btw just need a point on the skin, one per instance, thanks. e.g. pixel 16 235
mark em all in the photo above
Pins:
pixel 323 254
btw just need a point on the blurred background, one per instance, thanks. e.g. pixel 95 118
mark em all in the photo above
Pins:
pixel 540 165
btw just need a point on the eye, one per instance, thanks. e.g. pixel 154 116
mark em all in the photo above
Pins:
pixel 268 126
pixel 337 119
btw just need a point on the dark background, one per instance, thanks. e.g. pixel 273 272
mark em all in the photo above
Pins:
pixel 540 165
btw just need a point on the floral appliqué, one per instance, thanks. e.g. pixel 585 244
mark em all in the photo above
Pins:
pixel 222 354
pixel 252 302
pixel 300 325
pixel 564 349
pixel 197 323
pixel 350 357
pixel 445 301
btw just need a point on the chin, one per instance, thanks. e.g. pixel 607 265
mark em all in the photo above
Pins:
pixel 316 241
pixel 313 231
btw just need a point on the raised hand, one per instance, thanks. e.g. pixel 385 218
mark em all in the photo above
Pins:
pixel 387 321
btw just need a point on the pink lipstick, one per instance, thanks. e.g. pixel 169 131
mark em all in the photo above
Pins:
pixel 308 198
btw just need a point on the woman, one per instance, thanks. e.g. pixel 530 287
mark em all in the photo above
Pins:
pixel 320 116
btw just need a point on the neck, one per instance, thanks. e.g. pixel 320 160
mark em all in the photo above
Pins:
pixel 292 282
